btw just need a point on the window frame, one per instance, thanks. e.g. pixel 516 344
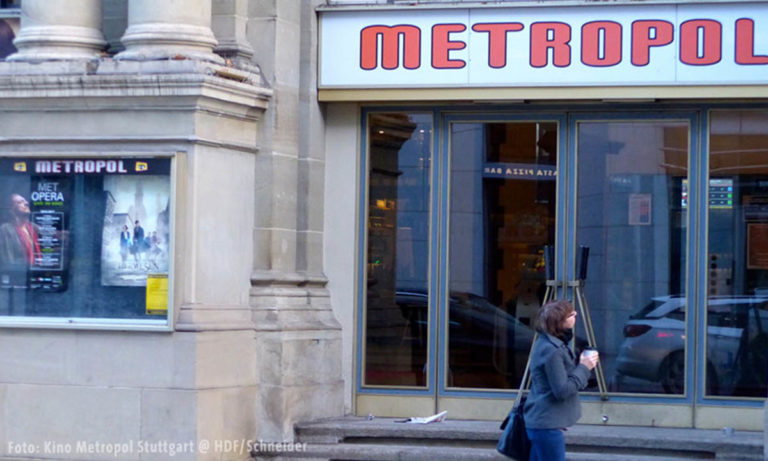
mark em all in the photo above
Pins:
pixel 163 324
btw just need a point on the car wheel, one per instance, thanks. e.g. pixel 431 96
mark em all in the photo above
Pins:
pixel 672 373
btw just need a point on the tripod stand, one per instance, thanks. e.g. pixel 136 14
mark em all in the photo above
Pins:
pixel 579 304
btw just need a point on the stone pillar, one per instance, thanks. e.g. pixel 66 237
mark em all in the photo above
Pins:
pixel 230 18
pixel 168 29
pixel 59 30
pixel 297 335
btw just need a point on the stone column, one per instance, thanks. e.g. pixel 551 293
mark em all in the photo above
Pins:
pixel 59 30
pixel 169 29
pixel 230 18
pixel 297 335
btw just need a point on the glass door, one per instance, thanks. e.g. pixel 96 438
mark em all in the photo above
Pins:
pixel 631 209
pixel 502 210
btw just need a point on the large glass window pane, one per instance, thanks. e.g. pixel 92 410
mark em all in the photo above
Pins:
pixel 737 260
pixel 502 213
pixel 631 213
pixel 397 308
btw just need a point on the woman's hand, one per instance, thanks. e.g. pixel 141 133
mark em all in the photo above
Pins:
pixel 589 361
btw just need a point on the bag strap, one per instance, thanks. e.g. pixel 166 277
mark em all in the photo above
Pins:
pixel 525 383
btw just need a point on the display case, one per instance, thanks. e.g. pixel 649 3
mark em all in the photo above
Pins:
pixel 86 242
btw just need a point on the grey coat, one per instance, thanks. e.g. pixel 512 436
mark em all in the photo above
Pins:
pixel 555 383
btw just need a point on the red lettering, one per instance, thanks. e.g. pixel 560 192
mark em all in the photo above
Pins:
pixel 591 47
pixel 712 44
pixel 497 40
pixel 558 42
pixel 646 34
pixel 745 43
pixel 390 47
pixel 442 45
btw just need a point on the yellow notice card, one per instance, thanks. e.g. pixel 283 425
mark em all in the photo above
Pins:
pixel 157 294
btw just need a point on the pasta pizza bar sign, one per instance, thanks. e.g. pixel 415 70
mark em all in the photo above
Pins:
pixel 681 44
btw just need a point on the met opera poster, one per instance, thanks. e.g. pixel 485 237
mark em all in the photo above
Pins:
pixel 34 232
pixel 136 232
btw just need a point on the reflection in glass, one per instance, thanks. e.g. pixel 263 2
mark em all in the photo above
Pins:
pixel 737 264
pixel 502 213
pixel 396 330
pixel 632 214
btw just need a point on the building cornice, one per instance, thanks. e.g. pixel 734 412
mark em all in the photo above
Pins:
pixel 114 80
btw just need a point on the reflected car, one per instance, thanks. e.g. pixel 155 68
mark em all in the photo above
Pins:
pixel 737 332
pixel 484 340
pixel 479 331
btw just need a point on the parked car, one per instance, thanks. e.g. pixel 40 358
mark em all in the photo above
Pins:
pixel 736 344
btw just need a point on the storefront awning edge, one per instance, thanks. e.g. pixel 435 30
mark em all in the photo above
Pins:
pixel 519 94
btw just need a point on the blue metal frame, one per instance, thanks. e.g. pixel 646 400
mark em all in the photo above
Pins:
pixel 567 116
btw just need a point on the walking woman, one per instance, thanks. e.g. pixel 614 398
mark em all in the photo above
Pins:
pixel 556 378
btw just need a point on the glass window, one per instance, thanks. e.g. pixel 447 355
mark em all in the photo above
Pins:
pixel 631 213
pixel 502 214
pixel 397 298
pixel 84 241
pixel 737 259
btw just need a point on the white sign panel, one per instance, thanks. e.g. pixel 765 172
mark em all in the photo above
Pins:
pixel 683 44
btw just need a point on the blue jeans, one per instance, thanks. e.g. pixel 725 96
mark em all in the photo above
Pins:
pixel 547 444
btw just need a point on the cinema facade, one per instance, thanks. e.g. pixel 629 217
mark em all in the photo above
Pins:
pixel 342 207
pixel 469 136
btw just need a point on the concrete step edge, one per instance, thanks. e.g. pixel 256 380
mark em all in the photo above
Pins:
pixel 682 444
pixel 365 452
pixel 593 436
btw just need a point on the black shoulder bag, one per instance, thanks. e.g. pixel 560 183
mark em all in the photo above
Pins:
pixel 514 441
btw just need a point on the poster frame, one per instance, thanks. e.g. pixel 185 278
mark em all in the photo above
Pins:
pixel 166 324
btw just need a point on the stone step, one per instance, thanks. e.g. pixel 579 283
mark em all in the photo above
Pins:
pixel 368 452
pixel 484 434
pixel 384 439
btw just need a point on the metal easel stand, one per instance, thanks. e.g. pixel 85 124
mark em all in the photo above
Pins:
pixel 580 303
pixel 581 306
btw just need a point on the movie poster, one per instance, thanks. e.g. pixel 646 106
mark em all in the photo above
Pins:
pixel 51 200
pixel 136 233
pixel 33 232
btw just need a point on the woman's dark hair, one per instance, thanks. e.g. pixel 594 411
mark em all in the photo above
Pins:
pixel 551 316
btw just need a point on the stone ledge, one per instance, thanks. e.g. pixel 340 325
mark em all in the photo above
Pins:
pixel 213 318
pixel 109 78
